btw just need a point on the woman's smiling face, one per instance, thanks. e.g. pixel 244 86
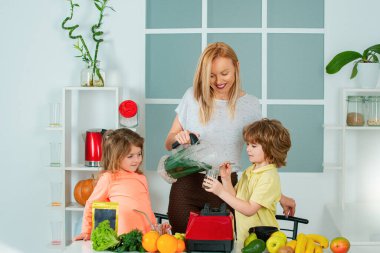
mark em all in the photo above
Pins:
pixel 222 77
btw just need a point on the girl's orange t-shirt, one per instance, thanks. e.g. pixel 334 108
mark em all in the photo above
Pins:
pixel 130 190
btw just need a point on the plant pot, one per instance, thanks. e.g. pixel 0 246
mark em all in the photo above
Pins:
pixel 368 75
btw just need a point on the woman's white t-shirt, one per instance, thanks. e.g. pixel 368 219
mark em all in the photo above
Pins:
pixel 224 133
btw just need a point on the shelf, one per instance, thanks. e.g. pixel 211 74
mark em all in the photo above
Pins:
pixel 362 128
pixel 75 207
pixel 362 90
pixel 81 167
pixel 57 128
pixel 108 88
pixel 360 223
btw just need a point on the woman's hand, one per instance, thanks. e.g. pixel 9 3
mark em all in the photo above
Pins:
pixel 183 137
pixel 213 185
pixel 288 205
pixel 82 236
pixel 225 170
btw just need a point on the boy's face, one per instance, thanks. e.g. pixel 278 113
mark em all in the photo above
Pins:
pixel 132 161
pixel 256 154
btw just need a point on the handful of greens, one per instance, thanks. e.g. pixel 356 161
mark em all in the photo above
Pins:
pixel 105 238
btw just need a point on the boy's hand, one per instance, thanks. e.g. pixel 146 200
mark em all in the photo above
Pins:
pixel 82 236
pixel 225 170
pixel 213 185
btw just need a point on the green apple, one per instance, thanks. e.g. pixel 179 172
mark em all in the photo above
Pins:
pixel 274 243
pixel 280 234
pixel 250 238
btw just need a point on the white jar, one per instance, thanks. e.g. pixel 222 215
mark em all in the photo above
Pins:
pixel 373 111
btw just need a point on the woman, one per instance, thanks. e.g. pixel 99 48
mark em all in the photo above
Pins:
pixel 216 109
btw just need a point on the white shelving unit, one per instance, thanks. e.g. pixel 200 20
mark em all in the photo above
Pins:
pixel 359 221
pixel 84 108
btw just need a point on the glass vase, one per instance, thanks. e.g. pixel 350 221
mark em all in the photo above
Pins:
pixel 93 77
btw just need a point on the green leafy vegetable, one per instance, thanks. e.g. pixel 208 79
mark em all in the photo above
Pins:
pixel 104 237
pixel 131 241
pixel 178 165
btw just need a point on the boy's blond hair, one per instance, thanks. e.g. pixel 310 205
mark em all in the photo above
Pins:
pixel 116 145
pixel 272 136
pixel 201 84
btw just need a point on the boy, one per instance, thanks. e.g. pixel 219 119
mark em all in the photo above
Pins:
pixel 255 196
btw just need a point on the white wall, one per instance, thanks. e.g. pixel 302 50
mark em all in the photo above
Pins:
pixel 37 60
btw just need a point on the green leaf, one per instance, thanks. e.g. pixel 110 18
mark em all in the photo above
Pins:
pixel 98 7
pixel 374 48
pixel 340 60
pixel 354 70
pixel 111 8
pixel 375 59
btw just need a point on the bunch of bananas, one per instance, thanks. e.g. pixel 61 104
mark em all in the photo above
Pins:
pixel 310 243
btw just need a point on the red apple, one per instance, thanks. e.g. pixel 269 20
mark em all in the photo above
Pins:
pixel 339 245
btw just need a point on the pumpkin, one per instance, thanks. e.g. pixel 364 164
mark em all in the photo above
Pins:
pixel 83 190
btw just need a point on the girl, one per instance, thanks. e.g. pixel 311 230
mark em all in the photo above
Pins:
pixel 121 181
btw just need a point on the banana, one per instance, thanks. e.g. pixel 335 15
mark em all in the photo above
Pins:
pixel 301 243
pixel 323 241
pixel 292 244
pixel 318 249
pixel 310 245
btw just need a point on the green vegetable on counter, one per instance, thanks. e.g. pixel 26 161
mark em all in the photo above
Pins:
pixel 103 236
pixel 131 241
pixel 255 246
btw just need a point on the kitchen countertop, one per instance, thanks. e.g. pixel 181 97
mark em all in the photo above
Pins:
pixel 86 247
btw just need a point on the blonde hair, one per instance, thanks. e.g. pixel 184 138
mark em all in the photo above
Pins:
pixel 273 137
pixel 116 145
pixel 203 92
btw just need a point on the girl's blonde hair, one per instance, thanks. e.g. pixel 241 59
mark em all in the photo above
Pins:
pixel 203 92
pixel 273 137
pixel 116 145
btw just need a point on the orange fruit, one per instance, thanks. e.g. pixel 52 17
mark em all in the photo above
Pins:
pixel 181 247
pixel 149 241
pixel 167 244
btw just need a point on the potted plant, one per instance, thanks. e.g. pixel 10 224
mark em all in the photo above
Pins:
pixel 93 75
pixel 367 62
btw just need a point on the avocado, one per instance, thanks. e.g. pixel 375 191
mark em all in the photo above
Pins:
pixel 256 246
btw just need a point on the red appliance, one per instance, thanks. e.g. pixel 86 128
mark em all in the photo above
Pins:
pixel 93 147
pixel 210 230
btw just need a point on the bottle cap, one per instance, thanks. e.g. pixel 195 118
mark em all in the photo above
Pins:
pixel 128 108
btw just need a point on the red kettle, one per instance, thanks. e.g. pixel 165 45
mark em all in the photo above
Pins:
pixel 93 147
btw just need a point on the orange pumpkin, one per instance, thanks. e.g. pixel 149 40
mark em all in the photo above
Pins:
pixel 83 190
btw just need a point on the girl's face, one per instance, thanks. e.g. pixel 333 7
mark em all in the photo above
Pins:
pixel 256 154
pixel 132 161
pixel 222 76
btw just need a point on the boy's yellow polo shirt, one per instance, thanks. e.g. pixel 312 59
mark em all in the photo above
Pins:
pixel 262 186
